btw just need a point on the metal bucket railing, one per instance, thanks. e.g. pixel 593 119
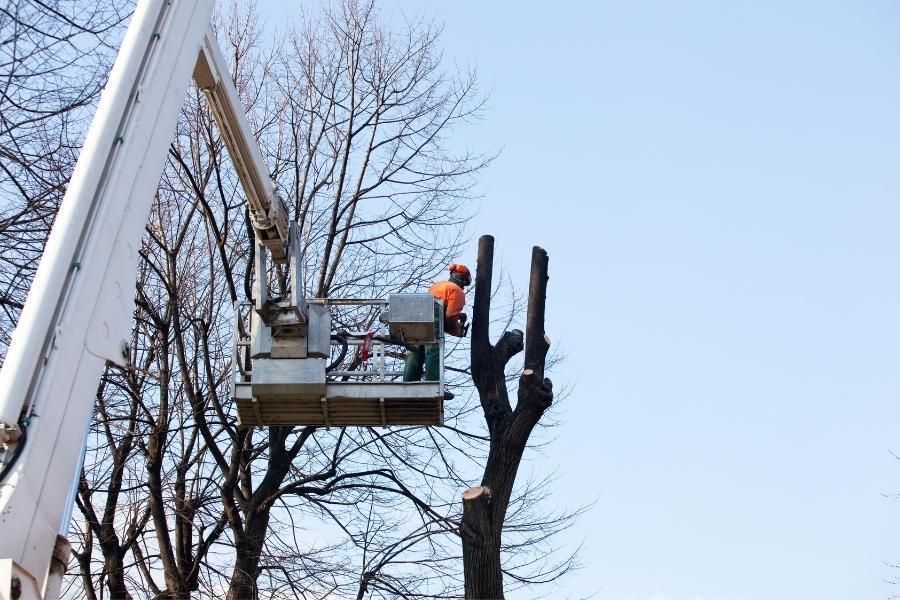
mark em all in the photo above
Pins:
pixel 384 364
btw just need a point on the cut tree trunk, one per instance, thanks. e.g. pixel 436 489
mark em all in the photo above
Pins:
pixel 481 552
pixel 484 507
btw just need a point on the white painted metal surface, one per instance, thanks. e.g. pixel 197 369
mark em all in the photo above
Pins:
pixel 79 308
pixel 267 209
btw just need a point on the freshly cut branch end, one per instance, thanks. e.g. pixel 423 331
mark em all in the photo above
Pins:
pixel 476 492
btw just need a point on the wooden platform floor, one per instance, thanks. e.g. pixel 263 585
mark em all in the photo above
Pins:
pixel 347 405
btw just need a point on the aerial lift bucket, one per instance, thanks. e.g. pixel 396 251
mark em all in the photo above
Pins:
pixel 315 382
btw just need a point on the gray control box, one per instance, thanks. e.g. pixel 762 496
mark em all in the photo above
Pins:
pixel 415 318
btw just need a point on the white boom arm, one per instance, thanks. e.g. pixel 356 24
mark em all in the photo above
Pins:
pixel 79 309
pixel 267 210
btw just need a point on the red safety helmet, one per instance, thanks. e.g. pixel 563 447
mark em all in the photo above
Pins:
pixel 462 272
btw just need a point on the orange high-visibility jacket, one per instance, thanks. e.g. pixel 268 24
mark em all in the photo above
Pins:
pixel 453 296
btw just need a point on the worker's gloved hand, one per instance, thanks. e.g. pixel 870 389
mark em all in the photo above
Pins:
pixel 456 326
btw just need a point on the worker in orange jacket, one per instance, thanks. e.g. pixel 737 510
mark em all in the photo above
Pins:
pixel 452 292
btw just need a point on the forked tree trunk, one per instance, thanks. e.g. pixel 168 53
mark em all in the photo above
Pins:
pixel 250 531
pixel 484 507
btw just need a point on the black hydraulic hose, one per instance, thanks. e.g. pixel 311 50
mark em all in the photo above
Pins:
pixel 336 362
pixel 251 260
pixel 20 446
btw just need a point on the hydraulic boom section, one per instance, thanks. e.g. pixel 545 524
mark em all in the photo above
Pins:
pixel 267 210
pixel 80 305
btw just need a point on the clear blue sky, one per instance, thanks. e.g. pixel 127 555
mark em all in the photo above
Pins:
pixel 718 186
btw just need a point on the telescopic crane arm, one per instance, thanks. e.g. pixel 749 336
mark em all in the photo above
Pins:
pixel 267 210
pixel 79 309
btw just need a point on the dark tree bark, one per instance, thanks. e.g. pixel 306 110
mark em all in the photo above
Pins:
pixel 250 533
pixel 484 507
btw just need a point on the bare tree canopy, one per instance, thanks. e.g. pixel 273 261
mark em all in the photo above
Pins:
pixel 366 118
